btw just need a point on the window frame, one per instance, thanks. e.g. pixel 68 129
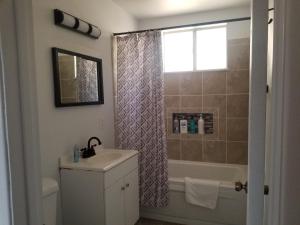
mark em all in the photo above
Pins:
pixel 195 45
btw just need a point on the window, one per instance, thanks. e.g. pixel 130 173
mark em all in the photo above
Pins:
pixel 178 51
pixel 203 48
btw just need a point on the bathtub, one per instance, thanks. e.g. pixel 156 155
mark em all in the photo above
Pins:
pixel 231 206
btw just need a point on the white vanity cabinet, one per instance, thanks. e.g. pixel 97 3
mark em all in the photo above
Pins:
pixel 122 202
pixel 95 197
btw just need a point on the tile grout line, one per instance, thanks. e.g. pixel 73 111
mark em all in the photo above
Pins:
pixel 202 106
pixel 180 106
pixel 226 133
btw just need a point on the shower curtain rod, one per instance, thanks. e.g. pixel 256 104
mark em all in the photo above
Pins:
pixel 189 25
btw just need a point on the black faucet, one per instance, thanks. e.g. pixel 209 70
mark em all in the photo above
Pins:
pixel 93 138
pixel 90 151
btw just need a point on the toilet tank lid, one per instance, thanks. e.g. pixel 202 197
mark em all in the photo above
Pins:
pixel 50 186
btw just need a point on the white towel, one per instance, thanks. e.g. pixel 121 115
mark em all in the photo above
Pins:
pixel 202 192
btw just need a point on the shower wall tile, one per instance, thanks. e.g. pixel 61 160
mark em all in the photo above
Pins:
pixel 238 105
pixel 173 147
pixel 170 134
pixel 239 41
pixel 223 93
pixel 222 129
pixel 172 101
pixel 237 152
pixel 191 150
pixel 216 134
pixel 238 81
pixel 191 101
pixel 214 82
pixel 238 56
pixel 170 111
pixel 237 129
pixel 214 151
pixel 191 83
pixel 217 102
pixel 171 83
pixel 198 137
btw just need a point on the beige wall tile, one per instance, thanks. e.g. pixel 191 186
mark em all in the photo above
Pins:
pixel 172 101
pixel 239 41
pixel 222 129
pixel 191 110
pixel 173 147
pixel 216 102
pixel 170 134
pixel 191 83
pixel 198 137
pixel 237 152
pixel 237 105
pixel 214 151
pixel 238 56
pixel 215 134
pixel 238 81
pixel 237 129
pixel 214 82
pixel 219 130
pixel 171 83
pixel 191 101
pixel 66 67
pixel 68 88
pixel 170 111
pixel 191 150
pixel 223 93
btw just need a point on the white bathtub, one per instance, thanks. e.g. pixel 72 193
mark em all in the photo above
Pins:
pixel 231 206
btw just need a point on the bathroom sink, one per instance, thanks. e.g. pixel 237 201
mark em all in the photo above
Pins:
pixel 104 160
pixel 103 157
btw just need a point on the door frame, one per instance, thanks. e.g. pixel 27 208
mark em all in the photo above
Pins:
pixel 273 211
pixel 277 114
pixel 21 114
pixel 257 111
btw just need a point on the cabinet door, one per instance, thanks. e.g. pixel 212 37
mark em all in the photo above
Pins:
pixel 131 182
pixel 114 204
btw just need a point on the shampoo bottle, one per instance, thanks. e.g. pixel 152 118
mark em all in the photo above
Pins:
pixel 183 126
pixel 176 126
pixel 200 125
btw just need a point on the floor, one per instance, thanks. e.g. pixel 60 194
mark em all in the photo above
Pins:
pixel 144 221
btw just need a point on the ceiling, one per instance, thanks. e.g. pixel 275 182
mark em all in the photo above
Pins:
pixel 141 9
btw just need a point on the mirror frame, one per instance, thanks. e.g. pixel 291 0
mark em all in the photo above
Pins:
pixel 56 76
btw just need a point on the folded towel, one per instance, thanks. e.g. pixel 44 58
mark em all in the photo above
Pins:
pixel 202 192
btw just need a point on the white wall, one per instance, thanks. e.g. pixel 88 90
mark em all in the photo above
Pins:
pixel 235 30
pixel 61 128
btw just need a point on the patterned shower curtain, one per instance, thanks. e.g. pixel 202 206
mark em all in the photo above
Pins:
pixel 139 111
pixel 87 80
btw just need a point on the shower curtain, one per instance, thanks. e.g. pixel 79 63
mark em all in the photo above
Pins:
pixel 139 111
pixel 86 80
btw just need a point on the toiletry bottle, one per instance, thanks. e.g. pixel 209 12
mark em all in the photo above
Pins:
pixel 200 125
pixel 176 126
pixel 191 126
pixel 194 126
pixel 76 154
pixel 183 126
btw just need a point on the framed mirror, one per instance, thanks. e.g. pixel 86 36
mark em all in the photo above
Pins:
pixel 77 79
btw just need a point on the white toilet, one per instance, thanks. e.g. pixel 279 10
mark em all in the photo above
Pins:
pixel 50 189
